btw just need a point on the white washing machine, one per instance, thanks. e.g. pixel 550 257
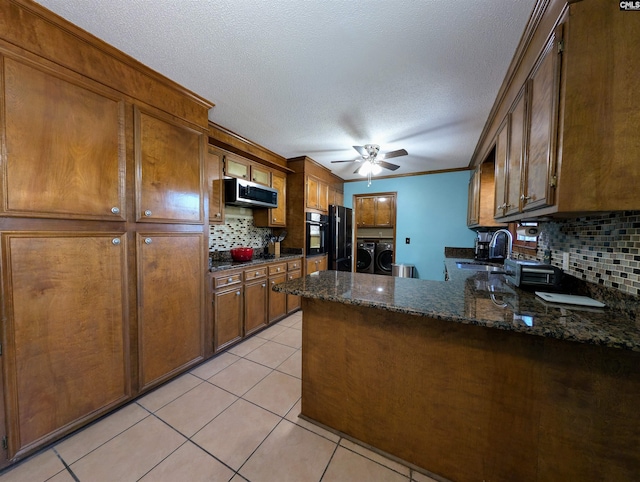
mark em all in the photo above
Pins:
pixel 365 257
pixel 383 258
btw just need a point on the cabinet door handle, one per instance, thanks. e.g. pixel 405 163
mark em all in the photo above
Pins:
pixel 148 241
pixel 229 280
pixel 237 293
pixel 218 215
pixel 264 284
pixel 115 241
pixel 278 269
pixel 273 282
pixel 257 273
pixel 524 198
pixel 147 213
pixel 115 210
pixel 273 220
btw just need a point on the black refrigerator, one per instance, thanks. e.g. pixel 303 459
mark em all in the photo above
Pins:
pixel 340 243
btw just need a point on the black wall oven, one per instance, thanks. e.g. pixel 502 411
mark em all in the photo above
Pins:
pixel 317 233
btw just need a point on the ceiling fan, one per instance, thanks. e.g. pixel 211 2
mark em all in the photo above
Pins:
pixel 374 160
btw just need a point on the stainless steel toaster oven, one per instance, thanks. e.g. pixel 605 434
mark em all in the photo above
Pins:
pixel 531 273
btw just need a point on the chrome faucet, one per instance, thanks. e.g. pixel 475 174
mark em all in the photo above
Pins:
pixel 494 238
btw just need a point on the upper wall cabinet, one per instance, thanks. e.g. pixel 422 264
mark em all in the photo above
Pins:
pixel 317 194
pixel 376 211
pixel 481 196
pixel 215 188
pixel 169 170
pixel 572 89
pixel 64 146
pixel 277 217
pixel 236 166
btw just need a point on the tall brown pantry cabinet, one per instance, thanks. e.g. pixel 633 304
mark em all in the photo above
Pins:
pixel 102 220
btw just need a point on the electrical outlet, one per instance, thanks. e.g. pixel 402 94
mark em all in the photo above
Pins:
pixel 407 240
pixel 565 261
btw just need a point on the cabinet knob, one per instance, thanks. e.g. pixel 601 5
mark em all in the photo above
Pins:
pixel 147 213
pixel 264 284
pixel 524 198
pixel 278 269
pixel 229 280
pixel 290 276
pixel 115 241
pixel 244 176
pixel 273 282
pixel 218 215
pixel 274 220
pixel 237 293
pixel 257 273
pixel 115 210
pixel 147 241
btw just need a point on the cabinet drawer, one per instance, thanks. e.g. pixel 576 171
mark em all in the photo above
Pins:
pixel 294 275
pixel 277 268
pixel 294 265
pixel 228 280
pixel 255 273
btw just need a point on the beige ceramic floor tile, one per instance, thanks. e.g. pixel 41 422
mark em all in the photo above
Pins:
pixel 289 453
pixel 240 377
pixel 196 408
pixel 277 393
pixel 62 477
pixel 188 463
pixel 90 438
pixel 131 454
pixel 270 332
pixel 292 416
pixel 291 319
pixel 290 337
pixel 347 465
pixel 238 478
pixel 236 433
pixel 392 464
pixel 418 477
pixel 292 365
pixel 36 469
pixel 271 354
pixel 210 368
pixel 169 392
pixel 247 346
pixel 297 325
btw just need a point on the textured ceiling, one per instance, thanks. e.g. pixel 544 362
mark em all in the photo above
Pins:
pixel 314 77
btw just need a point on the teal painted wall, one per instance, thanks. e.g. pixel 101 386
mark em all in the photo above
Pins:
pixel 431 210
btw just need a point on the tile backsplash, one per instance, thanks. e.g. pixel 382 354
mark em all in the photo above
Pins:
pixel 237 230
pixel 603 249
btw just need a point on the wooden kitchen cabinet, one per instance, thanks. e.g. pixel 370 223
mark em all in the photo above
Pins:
pixel 376 211
pixel 170 313
pixel 277 301
pixel 481 207
pixel 317 196
pixel 65 146
pixel 274 218
pixel 236 166
pixel 215 187
pixel 169 158
pixel 228 309
pixel 543 90
pixel 255 306
pixel 509 176
pixel 294 271
pixel 336 196
pixel 580 147
pixel 66 341
pixel 316 263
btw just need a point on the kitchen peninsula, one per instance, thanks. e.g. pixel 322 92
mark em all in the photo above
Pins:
pixel 472 384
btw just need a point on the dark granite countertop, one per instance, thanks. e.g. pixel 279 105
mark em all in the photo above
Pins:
pixel 230 264
pixel 476 298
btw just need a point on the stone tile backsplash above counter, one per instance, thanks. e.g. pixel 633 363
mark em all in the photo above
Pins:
pixel 237 230
pixel 604 249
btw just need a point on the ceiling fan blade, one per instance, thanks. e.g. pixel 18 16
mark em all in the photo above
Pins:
pixel 361 150
pixel 388 165
pixel 356 171
pixel 398 153
pixel 350 160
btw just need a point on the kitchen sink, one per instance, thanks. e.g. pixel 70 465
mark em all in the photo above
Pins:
pixel 480 266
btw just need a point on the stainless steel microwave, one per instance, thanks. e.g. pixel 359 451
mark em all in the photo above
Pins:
pixel 239 192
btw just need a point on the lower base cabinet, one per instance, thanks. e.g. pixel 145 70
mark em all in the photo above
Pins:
pixel 255 306
pixel 66 334
pixel 243 301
